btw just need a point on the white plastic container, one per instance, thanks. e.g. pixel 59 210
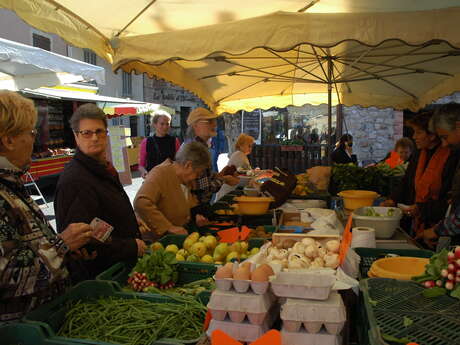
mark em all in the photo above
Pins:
pixel 308 285
pixel 238 306
pixel 314 314
pixel 304 338
pixel 384 226
pixel 244 331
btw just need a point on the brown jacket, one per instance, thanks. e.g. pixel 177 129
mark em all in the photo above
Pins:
pixel 160 202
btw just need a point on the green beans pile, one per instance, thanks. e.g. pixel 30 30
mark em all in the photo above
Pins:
pixel 133 321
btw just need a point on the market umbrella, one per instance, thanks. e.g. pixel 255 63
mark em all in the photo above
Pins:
pixel 23 66
pixel 398 59
pixel 94 24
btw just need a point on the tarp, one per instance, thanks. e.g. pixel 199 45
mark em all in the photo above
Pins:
pixel 23 66
pixel 389 59
pixel 93 24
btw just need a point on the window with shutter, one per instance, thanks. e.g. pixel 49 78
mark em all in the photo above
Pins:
pixel 40 41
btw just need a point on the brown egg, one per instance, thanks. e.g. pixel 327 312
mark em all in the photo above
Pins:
pixel 224 272
pixel 242 273
pixel 246 264
pixel 260 274
pixel 267 268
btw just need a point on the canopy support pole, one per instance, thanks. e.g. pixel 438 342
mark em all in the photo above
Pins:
pixel 329 108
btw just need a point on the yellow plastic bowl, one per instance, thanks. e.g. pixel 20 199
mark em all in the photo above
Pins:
pixel 354 199
pixel 402 268
pixel 251 205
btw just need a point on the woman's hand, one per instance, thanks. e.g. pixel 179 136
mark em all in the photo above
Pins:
pixel 143 228
pixel 177 230
pixel 76 235
pixel 141 247
pixel 201 220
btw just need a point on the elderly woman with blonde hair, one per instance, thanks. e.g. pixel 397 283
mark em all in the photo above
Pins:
pixel 238 159
pixel 32 257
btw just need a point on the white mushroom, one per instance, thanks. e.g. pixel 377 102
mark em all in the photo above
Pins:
pixel 331 260
pixel 321 252
pixel 299 248
pixel 319 262
pixel 308 241
pixel 311 251
pixel 333 246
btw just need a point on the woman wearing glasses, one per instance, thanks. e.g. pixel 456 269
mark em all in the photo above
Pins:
pixel 32 257
pixel 88 188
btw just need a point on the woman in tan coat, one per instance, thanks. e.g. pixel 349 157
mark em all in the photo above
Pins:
pixel 164 200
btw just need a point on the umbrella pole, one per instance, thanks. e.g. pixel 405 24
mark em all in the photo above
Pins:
pixel 329 109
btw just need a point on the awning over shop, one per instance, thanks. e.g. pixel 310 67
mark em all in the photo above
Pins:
pixel 112 106
pixel 23 66
pixel 71 95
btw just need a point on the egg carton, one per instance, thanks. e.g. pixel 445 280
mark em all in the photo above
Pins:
pixel 306 285
pixel 242 286
pixel 244 331
pixel 304 338
pixel 314 314
pixel 238 306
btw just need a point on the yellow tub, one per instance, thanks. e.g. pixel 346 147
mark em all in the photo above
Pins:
pixel 251 205
pixel 354 199
pixel 401 267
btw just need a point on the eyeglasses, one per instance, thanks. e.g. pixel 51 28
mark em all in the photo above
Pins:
pixel 87 134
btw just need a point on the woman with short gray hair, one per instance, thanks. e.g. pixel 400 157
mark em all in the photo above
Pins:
pixel 89 188
pixel 164 201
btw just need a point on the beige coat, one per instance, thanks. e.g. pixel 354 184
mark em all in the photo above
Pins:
pixel 160 202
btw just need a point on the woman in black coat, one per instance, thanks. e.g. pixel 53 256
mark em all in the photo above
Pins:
pixel 88 188
pixel 343 153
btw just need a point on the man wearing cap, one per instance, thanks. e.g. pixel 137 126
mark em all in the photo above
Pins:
pixel 202 127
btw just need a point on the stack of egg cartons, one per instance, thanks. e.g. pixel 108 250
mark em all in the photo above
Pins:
pixel 243 309
pixel 311 313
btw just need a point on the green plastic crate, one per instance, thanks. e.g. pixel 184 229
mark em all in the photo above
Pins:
pixel 33 334
pixel 389 303
pixel 25 334
pixel 369 255
pixel 50 316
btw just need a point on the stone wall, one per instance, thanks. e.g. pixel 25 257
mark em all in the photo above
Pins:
pixel 374 130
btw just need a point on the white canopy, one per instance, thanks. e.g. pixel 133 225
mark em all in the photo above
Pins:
pixel 23 66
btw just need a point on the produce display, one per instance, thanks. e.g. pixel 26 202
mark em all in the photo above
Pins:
pixel 305 254
pixel 442 274
pixel 375 178
pixel 157 269
pixel 206 249
pixel 133 321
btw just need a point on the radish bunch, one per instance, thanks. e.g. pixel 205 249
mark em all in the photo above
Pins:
pixel 450 276
pixel 140 282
